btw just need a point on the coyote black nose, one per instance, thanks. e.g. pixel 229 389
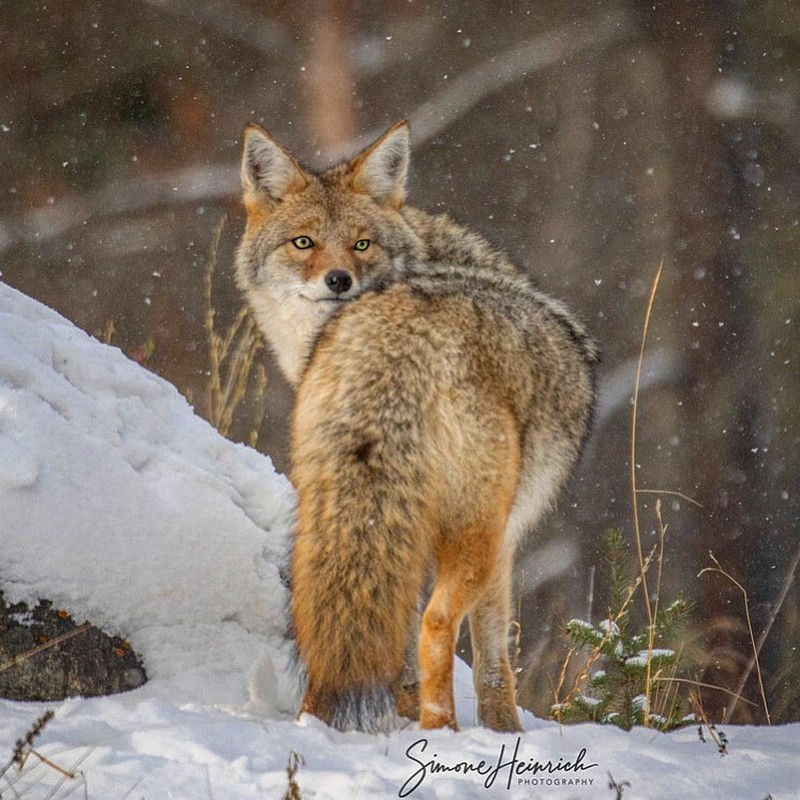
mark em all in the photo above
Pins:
pixel 338 281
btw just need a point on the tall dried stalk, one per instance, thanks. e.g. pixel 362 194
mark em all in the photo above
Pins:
pixel 754 662
pixel 231 357
pixel 634 489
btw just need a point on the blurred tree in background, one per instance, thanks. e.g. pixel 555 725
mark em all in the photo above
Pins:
pixel 589 140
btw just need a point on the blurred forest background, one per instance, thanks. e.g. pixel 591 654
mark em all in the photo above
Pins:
pixel 591 140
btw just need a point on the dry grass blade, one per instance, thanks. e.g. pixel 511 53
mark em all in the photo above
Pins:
pixel 562 679
pixel 672 493
pixel 618 787
pixel 700 684
pixel 24 745
pixel 718 569
pixel 718 737
pixel 231 356
pixel 46 646
pixel 787 583
pixel 651 631
pixel 25 778
pixel 292 768
pixel 634 415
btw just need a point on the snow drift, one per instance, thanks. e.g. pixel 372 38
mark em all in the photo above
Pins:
pixel 124 508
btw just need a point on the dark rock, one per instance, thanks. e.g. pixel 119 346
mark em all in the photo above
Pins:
pixel 45 655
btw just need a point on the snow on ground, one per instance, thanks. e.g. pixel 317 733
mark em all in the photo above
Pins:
pixel 122 506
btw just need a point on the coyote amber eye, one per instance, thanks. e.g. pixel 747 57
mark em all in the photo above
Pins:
pixel 361 245
pixel 302 242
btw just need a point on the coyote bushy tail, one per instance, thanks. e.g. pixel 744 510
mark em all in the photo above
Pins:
pixel 357 585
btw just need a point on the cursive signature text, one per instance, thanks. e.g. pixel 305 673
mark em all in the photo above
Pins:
pixel 508 766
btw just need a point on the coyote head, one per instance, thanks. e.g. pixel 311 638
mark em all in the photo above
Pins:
pixel 316 240
pixel 323 238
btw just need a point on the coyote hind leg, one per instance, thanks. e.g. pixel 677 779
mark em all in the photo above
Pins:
pixel 495 683
pixel 407 689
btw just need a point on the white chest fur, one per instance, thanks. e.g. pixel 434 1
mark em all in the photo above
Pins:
pixel 290 325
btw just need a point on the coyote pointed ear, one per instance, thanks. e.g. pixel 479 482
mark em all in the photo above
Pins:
pixel 380 171
pixel 267 167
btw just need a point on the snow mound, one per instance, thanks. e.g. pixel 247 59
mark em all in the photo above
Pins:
pixel 123 507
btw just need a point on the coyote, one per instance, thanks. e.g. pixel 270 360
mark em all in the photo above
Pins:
pixel 441 404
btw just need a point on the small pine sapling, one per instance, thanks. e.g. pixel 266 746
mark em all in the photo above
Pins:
pixel 614 683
